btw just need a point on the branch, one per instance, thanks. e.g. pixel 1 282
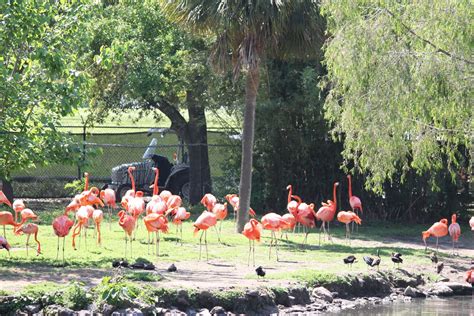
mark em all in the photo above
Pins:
pixel 178 122
pixel 438 49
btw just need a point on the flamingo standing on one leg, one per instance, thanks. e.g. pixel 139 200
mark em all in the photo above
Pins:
pixel 454 231
pixel 4 199
pixel 5 245
pixel 203 222
pixel 98 216
pixel 127 222
pixel 253 231
pixel 438 229
pixel 273 222
pixel 179 215
pixel 155 223
pixel 327 212
pixel 347 218
pixel 29 229
pixel 18 206
pixel 354 201
pixel 61 226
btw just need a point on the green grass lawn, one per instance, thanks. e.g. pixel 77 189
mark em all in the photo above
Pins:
pixel 326 258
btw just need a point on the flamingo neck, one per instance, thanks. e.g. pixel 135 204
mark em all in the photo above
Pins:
pixel 290 192
pixel 334 196
pixel 155 185
pixel 86 184
pixel 132 179
pixel 350 185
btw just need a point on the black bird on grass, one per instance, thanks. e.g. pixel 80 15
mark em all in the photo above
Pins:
pixel 260 272
pixel 397 258
pixel 120 263
pixel 172 268
pixel 434 258
pixel 373 262
pixel 439 267
pixel 350 260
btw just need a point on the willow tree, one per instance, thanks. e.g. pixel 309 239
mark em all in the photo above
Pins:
pixel 245 33
pixel 401 78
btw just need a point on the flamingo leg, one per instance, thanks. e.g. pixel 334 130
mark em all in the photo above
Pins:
pixel 218 235
pixel 320 230
pixel 57 250
pixel 329 234
pixel 205 240
pixel 253 251
pixel 148 243
pixel 250 250
pixel 200 244
pixel 126 242
pixel 64 242
pixel 4 232
pixel 271 244
pixel 157 243
pixel 276 245
pixel 131 248
pixel 27 242
pixel 181 231
pixel 436 244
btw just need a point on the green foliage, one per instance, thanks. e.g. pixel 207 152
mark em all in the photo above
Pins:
pixel 75 297
pixel 400 80
pixel 143 276
pixel 40 49
pixel 116 293
pixel 5 293
pixel 36 291
pixel 75 187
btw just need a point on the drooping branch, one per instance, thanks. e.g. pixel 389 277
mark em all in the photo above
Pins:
pixel 178 122
pixel 438 49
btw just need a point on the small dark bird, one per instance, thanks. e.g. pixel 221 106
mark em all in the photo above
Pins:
pixel 120 263
pixel 260 272
pixel 396 258
pixel 172 268
pixel 434 258
pixel 439 267
pixel 376 261
pixel 349 260
pixel 368 260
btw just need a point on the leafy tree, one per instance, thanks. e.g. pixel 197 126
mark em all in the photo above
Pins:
pixel 40 46
pixel 246 32
pixel 400 79
pixel 148 65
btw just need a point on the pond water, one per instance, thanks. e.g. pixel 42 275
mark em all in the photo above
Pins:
pixel 450 306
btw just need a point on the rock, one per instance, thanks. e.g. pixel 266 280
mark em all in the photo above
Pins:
pixel 413 292
pixel 107 309
pixel 443 279
pixel 161 311
pixel 128 312
pixel 204 312
pixel 459 288
pixel 253 293
pixel 323 294
pixel 407 299
pixel 57 310
pixel 441 289
pixel 218 310
pixel 33 308
pixel 84 313
pixel 301 295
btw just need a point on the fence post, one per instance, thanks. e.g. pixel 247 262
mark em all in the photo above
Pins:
pixel 83 156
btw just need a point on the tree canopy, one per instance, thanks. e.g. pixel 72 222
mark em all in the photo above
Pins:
pixel 400 76
pixel 40 46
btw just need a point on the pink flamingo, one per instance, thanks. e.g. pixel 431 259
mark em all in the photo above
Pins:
pixel 165 194
pixel 5 245
pixel 128 223
pixel 291 220
pixel 438 229
pixel 253 231
pixel 155 197
pixel 220 210
pixel 233 200
pixel 27 214
pixel 203 222
pixel 29 229
pixel 306 217
pixel 354 201
pixel 82 217
pixel 173 202
pixel 347 218
pixel 4 199
pixel 454 231
pixel 155 223
pixel 108 196
pixel 471 223
pixel 273 222
pixel 208 200
pixel 6 218
pixel 61 226
pixel 98 216
pixel 327 212
pixel 18 206
pixel 179 216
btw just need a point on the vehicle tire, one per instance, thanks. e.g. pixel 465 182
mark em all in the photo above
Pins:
pixel 181 186
pixel 121 191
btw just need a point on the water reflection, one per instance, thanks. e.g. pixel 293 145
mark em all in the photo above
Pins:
pixel 450 306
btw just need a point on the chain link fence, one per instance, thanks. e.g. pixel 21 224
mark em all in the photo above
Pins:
pixel 104 148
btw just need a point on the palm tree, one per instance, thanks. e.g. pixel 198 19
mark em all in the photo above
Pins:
pixel 248 31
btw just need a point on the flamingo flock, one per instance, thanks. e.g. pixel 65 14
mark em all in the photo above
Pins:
pixel 165 208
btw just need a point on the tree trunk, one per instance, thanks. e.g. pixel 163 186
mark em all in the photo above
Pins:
pixel 245 187
pixel 200 174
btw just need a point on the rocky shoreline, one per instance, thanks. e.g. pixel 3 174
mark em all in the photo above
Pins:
pixel 345 292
